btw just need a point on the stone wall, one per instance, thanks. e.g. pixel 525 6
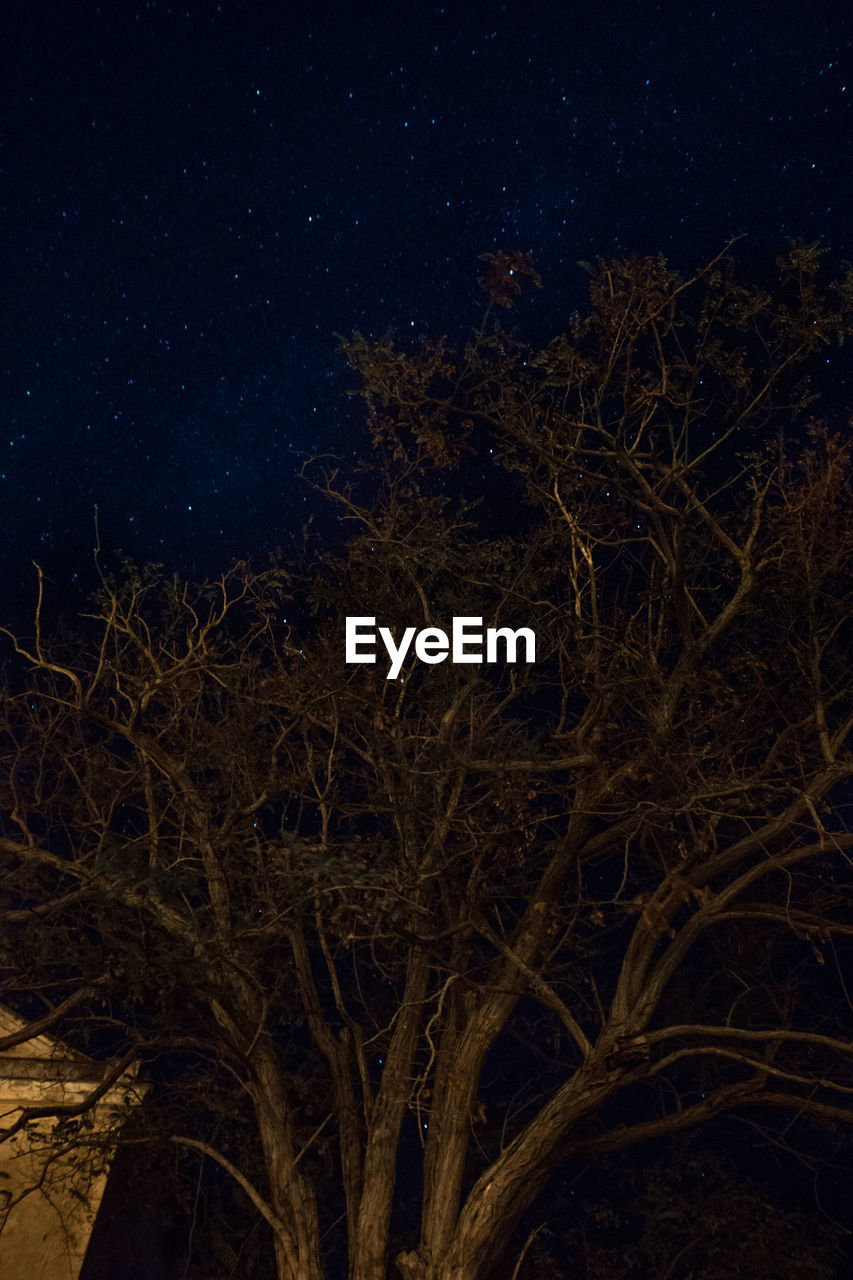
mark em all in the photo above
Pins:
pixel 53 1171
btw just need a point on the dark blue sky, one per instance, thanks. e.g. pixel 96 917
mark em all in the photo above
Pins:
pixel 199 196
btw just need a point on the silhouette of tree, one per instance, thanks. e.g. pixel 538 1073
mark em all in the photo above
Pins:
pixel 407 946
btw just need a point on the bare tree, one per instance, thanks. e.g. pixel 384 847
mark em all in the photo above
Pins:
pixel 451 920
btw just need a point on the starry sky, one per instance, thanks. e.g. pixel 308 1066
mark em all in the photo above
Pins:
pixel 198 197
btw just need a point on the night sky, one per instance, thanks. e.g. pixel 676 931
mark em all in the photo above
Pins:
pixel 197 197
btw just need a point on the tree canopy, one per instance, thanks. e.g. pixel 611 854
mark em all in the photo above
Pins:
pixel 408 946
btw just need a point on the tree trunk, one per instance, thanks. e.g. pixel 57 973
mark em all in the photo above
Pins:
pixel 297 1246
